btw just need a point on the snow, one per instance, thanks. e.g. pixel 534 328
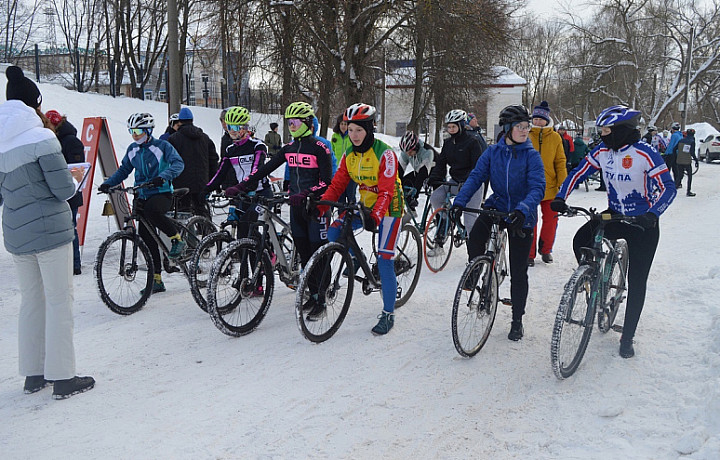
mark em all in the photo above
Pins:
pixel 170 385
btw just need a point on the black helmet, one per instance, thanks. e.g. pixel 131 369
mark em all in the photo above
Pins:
pixel 689 132
pixel 513 114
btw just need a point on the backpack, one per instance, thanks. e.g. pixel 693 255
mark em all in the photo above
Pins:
pixel 684 151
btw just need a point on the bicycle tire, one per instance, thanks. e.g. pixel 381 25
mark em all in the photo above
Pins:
pixel 696 167
pixel 192 233
pixel 616 287
pixel 120 287
pixel 408 262
pixel 236 305
pixel 436 263
pixel 474 311
pixel 573 326
pixel 326 266
pixel 201 264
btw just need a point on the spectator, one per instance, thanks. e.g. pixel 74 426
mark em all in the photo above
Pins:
pixel 37 230
pixel 581 149
pixel 568 143
pixel 201 161
pixel 474 130
pixel 550 145
pixel 685 158
pixel 273 140
pixel 670 156
pixel 74 152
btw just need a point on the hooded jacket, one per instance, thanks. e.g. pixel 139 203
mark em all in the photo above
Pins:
pixel 516 178
pixel 34 183
pixel 74 152
pixel 549 143
pixel 198 153
pixel 460 152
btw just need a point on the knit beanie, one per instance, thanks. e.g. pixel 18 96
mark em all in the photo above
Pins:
pixel 21 88
pixel 542 111
pixel 54 116
pixel 185 114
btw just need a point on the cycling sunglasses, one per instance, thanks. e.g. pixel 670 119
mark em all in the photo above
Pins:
pixel 237 127
pixel 294 123
pixel 136 131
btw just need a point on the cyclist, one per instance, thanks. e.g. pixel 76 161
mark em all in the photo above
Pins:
pixel 310 171
pixel 670 156
pixel 372 164
pixel 460 152
pixel 685 157
pixel 638 184
pixel 340 144
pixel 242 158
pixel 157 162
pixel 517 178
pixel 419 157
pixel 173 124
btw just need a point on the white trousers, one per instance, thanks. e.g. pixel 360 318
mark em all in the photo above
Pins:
pixel 437 199
pixel 45 325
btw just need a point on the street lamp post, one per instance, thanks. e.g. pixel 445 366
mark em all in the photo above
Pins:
pixel 206 91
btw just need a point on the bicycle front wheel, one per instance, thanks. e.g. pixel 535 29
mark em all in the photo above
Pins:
pixel 615 287
pixel 325 292
pixel 201 264
pixel 124 272
pixel 194 230
pixel 573 323
pixel 475 306
pixel 240 288
pixel 437 240
pixel 408 263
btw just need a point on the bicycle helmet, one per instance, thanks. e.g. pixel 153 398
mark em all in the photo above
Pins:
pixel 299 110
pixel 359 112
pixel 689 132
pixel 237 116
pixel 675 126
pixel 173 118
pixel 651 128
pixel 409 142
pixel 457 116
pixel 141 121
pixel 618 115
pixel 513 114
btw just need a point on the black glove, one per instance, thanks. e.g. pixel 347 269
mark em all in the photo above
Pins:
pixel 558 205
pixel 157 181
pixel 647 221
pixel 298 199
pixel 368 220
pixel 455 212
pixel 516 221
pixel 104 188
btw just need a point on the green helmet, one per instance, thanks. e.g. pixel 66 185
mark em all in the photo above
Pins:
pixel 300 110
pixel 237 116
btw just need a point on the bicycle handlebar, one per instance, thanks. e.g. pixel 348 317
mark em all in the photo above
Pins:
pixel 131 189
pixel 573 211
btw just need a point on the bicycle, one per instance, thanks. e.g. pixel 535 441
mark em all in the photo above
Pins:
pixel 410 215
pixel 331 268
pixel 441 234
pixel 123 265
pixel 477 294
pixel 241 281
pixel 598 283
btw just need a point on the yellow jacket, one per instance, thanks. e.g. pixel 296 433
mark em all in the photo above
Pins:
pixel 550 145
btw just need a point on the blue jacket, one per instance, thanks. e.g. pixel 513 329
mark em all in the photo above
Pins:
pixel 517 178
pixel 149 160
pixel 672 145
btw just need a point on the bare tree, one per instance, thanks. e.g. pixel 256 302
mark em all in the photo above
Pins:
pixel 18 24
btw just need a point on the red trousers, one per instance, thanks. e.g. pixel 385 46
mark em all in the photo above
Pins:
pixel 547 233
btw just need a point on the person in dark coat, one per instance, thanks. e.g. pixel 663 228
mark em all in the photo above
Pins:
pixel 273 140
pixel 74 152
pixel 201 162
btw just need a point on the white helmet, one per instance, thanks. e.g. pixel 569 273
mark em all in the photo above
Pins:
pixel 456 116
pixel 141 121
pixel 174 117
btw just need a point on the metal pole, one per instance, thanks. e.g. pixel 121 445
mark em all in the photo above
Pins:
pixel 174 92
pixel 687 77
pixel 37 63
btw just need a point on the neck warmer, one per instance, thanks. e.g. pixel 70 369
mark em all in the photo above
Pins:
pixel 142 140
pixel 621 136
pixel 369 137
pixel 303 131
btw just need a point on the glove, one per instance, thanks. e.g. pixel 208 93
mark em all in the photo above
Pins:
pixel 241 187
pixel 104 188
pixel 647 221
pixel 558 205
pixel 157 181
pixel 298 199
pixel 516 221
pixel 369 221
pixel 455 212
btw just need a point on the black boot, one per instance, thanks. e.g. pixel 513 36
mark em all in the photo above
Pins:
pixel 35 383
pixel 68 387
pixel 516 330
pixel 626 348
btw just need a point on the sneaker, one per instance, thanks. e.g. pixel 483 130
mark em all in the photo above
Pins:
pixel 516 331
pixel 531 262
pixel 385 323
pixel 35 383
pixel 68 387
pixel 626 349
pixel 158 286
pixel 547 258
pixel 690 194
pixel 317 312
pixel 436 251
pixel 177 248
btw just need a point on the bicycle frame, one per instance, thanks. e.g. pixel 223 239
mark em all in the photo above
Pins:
pixel 412 192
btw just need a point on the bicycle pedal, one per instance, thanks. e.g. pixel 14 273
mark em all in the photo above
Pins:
pixel 617 328
pixel 506 301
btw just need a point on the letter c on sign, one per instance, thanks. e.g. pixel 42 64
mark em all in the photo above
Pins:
pixel 89 133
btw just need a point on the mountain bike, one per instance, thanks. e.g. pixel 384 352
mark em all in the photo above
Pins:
pixel 332 270
pixel 411 216
pixel 477 294
pixel 598 284
pixel 441 234
pixel 123 265
pixel 241 281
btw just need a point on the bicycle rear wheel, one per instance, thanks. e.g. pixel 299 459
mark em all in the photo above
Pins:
pixel 573 323
pixel 124 272
pixel 201 264
pixel 615 294
pixel 437 240
pixel 240 288
pixel 192 233
pixel 474 309
pixel 408 263
pixel 324 273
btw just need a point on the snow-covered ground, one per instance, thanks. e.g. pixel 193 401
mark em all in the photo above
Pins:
pixel 170 385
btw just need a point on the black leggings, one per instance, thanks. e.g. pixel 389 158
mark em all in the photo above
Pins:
pixel 154 209
pixel 641 248
pixel 682 170
pixel 519 248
